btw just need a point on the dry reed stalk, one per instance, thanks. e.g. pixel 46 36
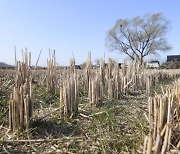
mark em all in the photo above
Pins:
pixel 124 68
pixel 148 83
pixel 72 66
pixel 110 89
pixel 110 67
pixel 102 71
pixel 117 80
pixel 88 70
pixel 21 100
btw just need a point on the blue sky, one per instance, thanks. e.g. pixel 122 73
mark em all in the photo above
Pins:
pixel 77 26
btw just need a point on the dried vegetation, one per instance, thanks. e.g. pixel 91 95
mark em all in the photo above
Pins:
pixel 102 110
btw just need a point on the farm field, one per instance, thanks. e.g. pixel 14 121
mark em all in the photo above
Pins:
pixel 103 110
pixel 89 77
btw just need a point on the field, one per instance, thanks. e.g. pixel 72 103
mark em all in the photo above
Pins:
pixel 103 110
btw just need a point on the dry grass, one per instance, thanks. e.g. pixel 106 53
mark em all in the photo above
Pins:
pixel 112 128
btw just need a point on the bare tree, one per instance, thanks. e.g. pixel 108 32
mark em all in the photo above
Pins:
pixel 139 36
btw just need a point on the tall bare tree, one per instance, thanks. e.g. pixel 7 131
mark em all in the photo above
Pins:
pixel 139 36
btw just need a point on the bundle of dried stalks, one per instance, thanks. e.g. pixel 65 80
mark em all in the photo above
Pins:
pixel 111 89
pixel 110 67
pixel 96 90
pixel 117 80
pixel 51 72
pixel 113 80
pixel 72 66
pixel 164 123
pixel 148 84
pixel 97 85
pixel 21 101
pixel 69 93
pixel 102 72
pixel 124 68
pixel 88 69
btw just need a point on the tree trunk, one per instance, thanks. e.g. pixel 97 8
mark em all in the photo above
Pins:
pixel 141 60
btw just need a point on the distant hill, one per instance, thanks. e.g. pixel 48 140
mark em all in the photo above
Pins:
pixel 4 65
